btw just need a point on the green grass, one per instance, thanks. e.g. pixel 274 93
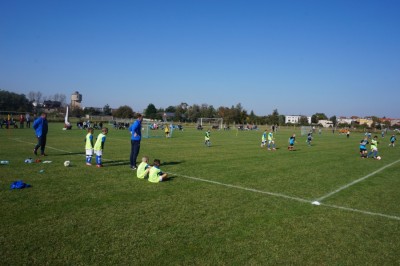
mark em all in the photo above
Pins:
pixel 85 215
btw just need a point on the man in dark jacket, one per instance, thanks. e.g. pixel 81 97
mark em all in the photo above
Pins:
pixel 41 127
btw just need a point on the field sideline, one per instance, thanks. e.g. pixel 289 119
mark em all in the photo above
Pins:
pixel 232 203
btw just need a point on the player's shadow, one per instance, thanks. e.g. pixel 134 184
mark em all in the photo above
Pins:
pixel 172 163
pixel 170 178
pixel 116 163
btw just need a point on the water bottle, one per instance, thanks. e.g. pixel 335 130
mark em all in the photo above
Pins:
pixel 4 162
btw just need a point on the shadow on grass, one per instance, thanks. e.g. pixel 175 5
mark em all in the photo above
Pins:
pixel 116 163
pixel 172 163
pixel 170 178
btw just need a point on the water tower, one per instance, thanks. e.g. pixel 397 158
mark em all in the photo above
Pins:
pixel 76 99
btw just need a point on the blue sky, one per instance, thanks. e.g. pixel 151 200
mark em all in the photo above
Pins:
pixel 301 57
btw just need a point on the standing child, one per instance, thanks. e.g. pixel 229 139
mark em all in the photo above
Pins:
pixel 99 146
pixel 89 146
pixel 392 140
pixel 143 168
pixel 374 147
pixel 363 147
pixel 309 139
pixel 155 173
pixel 292 141
pixel 264 139
pixel 271 141
pixel 166 130
pixel 207 138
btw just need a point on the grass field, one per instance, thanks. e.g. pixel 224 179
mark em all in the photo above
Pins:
pixel 231 204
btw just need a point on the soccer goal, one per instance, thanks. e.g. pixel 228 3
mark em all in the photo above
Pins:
pixel 156 129
pixel 305 130
pixel 214 123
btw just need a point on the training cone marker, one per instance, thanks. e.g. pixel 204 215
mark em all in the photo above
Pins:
pixel 315 203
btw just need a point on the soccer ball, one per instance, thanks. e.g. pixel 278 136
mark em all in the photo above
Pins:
pixel 67 163
pixel 378 157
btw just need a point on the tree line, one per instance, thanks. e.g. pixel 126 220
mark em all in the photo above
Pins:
pixel 183 112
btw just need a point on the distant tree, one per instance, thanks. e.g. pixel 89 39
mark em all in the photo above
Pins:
pixel 281 119
pixel 303 121
pixel 151 111
pixel 91 111
pixel 124 112
pixel 193 112
pixel 252 117
pixel 387 123
pixel 32 96
pixel 180 113
pixel 38 96
pixel 170 109
pixel 107 110
pixel 314 119
pixel 63 99
pixel 77 112
pixel 274 118
pixel 10 101
pixel 321 116
pixel 333 119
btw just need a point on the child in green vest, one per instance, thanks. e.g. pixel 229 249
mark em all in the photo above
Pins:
pixel 155 173
pixel 207 138
pixel 99 146
pixel 143 168
pixel 89 146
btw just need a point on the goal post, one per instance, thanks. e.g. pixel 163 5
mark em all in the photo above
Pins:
pixel 156 129
pixel 215 123
pixel 305 130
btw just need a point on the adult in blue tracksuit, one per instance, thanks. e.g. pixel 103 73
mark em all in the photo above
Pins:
pixel 41 127
pixel 136 136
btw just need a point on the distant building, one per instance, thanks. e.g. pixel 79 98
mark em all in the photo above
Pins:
pixel 76 99
pixel 345 120
pixel 325 123
pixel 366 121
pixel 295 119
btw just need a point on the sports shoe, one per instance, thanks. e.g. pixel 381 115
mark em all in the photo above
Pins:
pixel 43 154
pixel 88 164
pixel 35 151
pixel 99 165
pixel 133 168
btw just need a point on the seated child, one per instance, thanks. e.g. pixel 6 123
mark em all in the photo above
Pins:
pixel 143 168
pixel 155 174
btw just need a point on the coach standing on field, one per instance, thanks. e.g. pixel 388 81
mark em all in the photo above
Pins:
pixel 41 127
pixel 136 136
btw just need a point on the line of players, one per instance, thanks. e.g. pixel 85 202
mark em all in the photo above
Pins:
pixel 266 139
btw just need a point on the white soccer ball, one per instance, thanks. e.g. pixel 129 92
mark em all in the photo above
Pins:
pixel 67 163
pixel 378 157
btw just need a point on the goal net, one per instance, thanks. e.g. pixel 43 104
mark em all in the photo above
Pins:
pixel 156 129
pixel 214 123
pixel 305 130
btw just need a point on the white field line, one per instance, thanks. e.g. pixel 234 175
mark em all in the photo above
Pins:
pixel 361 211
pixel 287 197
pixel 356 181
pixel 244 188
pixel 258 191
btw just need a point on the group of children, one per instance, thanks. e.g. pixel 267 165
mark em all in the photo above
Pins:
pixel 374 146
pixel 144 170
pixel 152 173
pixel 270 138
pixel 95 148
